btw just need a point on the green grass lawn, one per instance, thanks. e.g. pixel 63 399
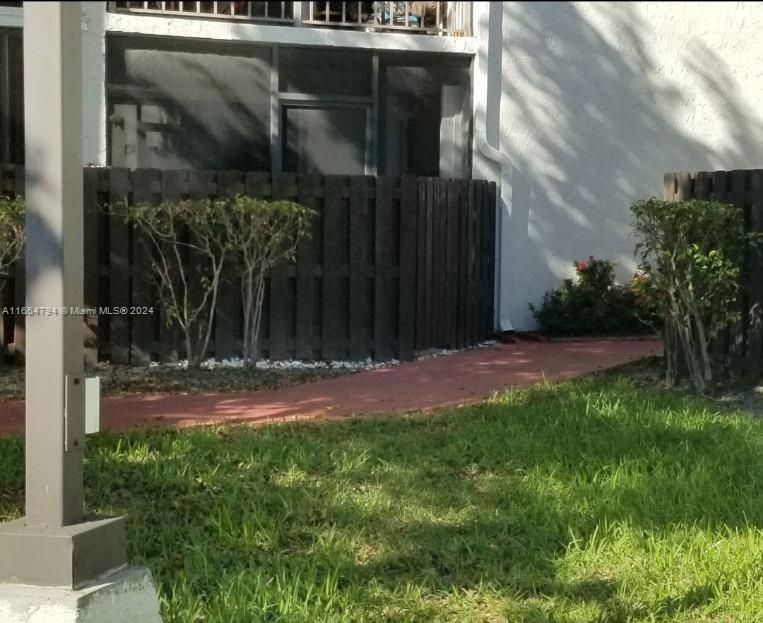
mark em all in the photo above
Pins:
pixel 592 500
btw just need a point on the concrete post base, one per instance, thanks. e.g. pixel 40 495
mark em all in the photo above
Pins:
pixel 69 556
pixel 127 596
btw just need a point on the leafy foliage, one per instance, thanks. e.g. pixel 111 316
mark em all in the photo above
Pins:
pixel 693 252
pixel 12 233
pixel 191 242
pixel 262 234
pixel 188 247
pixel 595 304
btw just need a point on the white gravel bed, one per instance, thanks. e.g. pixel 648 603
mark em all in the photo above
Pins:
pixel 296 364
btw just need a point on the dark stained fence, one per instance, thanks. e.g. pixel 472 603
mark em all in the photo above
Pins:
pixel 11 96
pixel 741 349
pixel 393 266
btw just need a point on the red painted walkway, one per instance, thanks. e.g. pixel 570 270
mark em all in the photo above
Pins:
pixel 426 384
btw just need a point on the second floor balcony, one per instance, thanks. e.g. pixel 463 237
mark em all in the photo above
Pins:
pixel 424 18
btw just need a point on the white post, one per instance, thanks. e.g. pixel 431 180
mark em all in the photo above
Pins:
pixel 54 544
pixel 56 564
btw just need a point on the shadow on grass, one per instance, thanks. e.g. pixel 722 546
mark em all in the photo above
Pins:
pixel 472 511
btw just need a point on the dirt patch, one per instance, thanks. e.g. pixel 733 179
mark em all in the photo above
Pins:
pixel 650 372
pixel 129 380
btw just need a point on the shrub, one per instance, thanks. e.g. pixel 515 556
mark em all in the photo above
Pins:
pixel 191 242
pixel 188 246
pixel 595 304
pixel 693 252
pixel 12 233
pixel 262 235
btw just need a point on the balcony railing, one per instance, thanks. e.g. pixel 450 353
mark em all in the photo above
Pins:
pixel 437 18
pixel 281 12
pixel 450 18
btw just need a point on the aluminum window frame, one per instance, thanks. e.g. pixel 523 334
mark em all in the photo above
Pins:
pixel 307 101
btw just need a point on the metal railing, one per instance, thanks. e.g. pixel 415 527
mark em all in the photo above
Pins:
pixel 441 18
pixel 281 12
pixel 448 18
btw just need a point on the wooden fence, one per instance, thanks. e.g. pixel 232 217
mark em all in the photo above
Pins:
pixel 392 266
pixel 742 347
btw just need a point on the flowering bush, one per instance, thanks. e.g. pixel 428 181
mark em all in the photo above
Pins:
pixel 595 304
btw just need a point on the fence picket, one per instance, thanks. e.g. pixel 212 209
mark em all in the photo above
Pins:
pixel 738 333
pixel 430 336
pixel 407 263
pixel 702 185
pixel 359 308
pixel 229 312
pixel 440 260
pixel 284 186
pixel 384 295
pixel 175 184
pixel 669 187
pixel 146 183
pixel 489 215
pixel 308 188
pixel 421 265
pixel 754 316
pixel 119 270
pixel 335 309
pixel 462 262
pixel 469 264
pixel 477 265
pixel 260 184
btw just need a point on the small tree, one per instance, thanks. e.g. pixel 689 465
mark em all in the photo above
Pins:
pixel 12 232
pixel 189 246
pixel 262 234
pixel 693 253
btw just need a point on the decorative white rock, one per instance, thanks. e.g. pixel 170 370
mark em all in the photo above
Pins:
pixel 127 596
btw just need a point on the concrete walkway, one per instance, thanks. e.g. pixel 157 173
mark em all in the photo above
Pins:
pixel 444 381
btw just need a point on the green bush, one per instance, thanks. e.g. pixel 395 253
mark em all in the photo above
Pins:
pixel 194 245
pixel 595 304
pixel 12 235
pixel 693 252
pixel 261 235
pixel 187 243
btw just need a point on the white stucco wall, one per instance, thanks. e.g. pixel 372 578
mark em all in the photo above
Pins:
pixel 597 101
pixel 94 83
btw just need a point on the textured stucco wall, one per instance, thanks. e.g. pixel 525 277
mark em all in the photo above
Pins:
pixel 597 101
pixel 93 83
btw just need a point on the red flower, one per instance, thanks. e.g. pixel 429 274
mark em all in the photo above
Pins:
pixel 580 266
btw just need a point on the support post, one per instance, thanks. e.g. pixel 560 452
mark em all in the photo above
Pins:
pixel 55 544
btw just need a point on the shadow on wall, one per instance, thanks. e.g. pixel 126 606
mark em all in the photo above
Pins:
pixel 175 106
pixel 598 101
pixel 206 105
